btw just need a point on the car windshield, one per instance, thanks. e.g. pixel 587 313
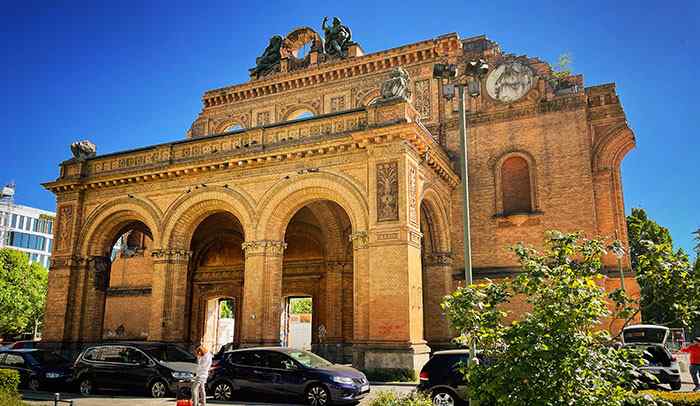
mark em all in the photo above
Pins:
pixel 170 353
pixel 308 359
pixel 47 358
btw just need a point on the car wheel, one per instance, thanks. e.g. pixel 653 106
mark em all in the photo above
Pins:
pixel 223 391
pixel 317 395
pixel 444 397
pixel 158 389
pixel 85 387
pixel 675 386
pixel 33 384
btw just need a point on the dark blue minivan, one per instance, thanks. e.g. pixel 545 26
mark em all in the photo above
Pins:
pixel 286 372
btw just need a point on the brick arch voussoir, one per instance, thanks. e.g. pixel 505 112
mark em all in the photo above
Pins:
pixel 185 214
pixel 285 198
pixel 108 218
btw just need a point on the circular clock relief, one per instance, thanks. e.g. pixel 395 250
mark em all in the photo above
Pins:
pixel 510 81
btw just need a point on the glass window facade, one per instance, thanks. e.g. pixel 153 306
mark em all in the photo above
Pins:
pixel 29 241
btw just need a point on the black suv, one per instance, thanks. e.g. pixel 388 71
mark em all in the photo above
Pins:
pixel 133 366
pixel 38 369
pixel 286 372
pixel 441 379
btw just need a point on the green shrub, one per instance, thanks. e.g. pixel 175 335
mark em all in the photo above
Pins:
pixel 11 399
pixel 676 398
pixel 392 399
pixel 390 374
pixel 9 381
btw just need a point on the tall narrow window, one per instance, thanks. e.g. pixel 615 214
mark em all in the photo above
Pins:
pixel 515 180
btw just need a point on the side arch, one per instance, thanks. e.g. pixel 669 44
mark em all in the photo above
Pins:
pixel 185 214
pixel 105 221
pixel 611 148
pixel 438 220
pixel 284 199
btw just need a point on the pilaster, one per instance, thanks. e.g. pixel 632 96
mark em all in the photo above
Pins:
pixel 262 292
pixel 169 307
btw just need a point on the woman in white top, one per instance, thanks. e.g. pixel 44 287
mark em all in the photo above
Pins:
pixel 199 383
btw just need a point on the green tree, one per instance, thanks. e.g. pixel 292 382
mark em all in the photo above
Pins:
pixel 557 353
pixel 301 305
pixel 670 288
pixel 226 309
pixel 22 292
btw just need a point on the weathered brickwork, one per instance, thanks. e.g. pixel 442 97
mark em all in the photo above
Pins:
pixel 357 207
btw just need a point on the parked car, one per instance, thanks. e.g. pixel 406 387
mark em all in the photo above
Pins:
pixel 38 369
pixel 652 340
pixel 441 379
pixel 224 349
pixel 645 333
pixel 286 372
pixel 17 345
pixel 133 366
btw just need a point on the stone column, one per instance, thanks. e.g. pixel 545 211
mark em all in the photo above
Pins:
pixel 437 283
pixel 96 282
pixel 168 320
pixel 262 292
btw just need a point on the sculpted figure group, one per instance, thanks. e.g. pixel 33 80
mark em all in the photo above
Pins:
pixel 336 42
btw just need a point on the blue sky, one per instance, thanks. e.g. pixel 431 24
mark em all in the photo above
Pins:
pixel 128 74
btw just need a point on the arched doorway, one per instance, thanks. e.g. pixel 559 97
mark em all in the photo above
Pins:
pixel 128 284
pixel 216 277
pixel 318 265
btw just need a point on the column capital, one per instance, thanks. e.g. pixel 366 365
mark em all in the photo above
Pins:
pixel 359 239
pixel 439 259
pixel 171 254
pixel 264 248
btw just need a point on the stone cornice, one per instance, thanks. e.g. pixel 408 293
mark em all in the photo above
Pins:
pixel 344 132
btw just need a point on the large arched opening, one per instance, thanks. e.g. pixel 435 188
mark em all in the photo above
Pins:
pixel 114 286
pixel 128 281
pixel 216 275
pixel 317 281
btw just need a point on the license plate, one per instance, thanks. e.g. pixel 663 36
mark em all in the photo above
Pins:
pixel 364 388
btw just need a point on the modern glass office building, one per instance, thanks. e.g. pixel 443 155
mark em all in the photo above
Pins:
pixel 25 228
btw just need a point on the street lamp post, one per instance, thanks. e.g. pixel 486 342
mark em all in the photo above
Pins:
pixel 470 79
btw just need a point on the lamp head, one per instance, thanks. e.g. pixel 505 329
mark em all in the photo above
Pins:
pixel 444 71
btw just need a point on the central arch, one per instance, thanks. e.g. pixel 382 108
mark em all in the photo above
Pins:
pixel 284 199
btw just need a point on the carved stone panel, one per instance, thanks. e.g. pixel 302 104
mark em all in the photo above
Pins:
pixel 388 191
pixel 263 118
pixel 412 199
pixel 337 104
pixel 422 98
pixel 65 227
